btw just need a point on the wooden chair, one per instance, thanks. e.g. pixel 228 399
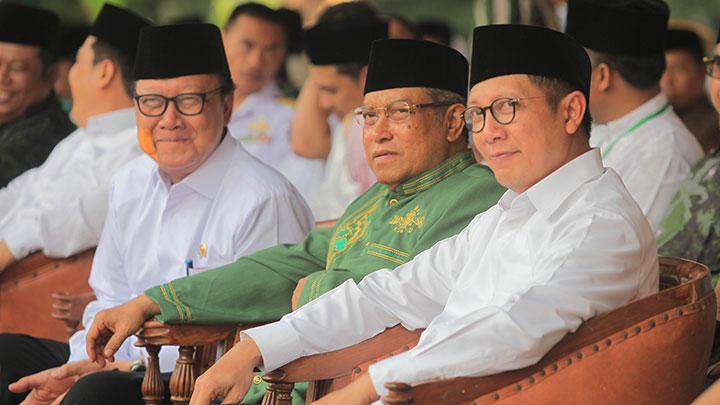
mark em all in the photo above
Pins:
pixel 654 350
pixel 26 290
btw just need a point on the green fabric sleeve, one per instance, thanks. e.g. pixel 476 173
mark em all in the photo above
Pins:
pixel 255 288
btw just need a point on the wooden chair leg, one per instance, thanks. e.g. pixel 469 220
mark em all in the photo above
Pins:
pixel 317 390
pixel 152 388
pixel 182 381
pixel 278 391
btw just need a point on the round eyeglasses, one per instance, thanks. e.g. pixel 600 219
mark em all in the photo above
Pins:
pixel 396 111
pixel 712 66
pixel 502 110
pixel 155 105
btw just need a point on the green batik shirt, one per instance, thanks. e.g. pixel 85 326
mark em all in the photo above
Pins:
pixel 382 228
pixel 691 228
pixel 27 141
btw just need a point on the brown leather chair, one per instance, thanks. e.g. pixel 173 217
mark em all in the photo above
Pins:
pixel 26 290
pixel 654 350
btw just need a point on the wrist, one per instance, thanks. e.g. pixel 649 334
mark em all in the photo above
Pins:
pixel 148 307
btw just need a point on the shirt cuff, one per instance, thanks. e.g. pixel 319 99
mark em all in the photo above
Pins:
pixel 20 242
pixel 278 344
pixel 397 368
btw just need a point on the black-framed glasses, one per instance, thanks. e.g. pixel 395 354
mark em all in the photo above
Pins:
pixel 396 111
pixel 502 110
pixel 155 105
pixel 712 66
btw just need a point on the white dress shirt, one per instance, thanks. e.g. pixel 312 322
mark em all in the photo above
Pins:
pixel 498 295
pixel 262 124
pixel 231 206
pixel 652 159
pixel 59 207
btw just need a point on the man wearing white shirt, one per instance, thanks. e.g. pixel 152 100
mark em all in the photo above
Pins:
pixel 256 41
pixel 59 207
pixel 197 196
pixel 638 133
pixel 566 243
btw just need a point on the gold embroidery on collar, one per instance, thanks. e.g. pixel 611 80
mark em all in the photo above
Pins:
pixel 409 222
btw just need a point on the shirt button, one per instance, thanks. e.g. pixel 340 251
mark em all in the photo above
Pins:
pixel 257 380
pixel 393 201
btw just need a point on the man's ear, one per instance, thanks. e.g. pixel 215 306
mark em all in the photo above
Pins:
pixel 52 72
pixel 602 77
pixel 573 107
pixel 454 122
pixel 105 70
pixel 228 101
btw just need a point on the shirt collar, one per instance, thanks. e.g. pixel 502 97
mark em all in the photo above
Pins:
pixel 620 125
pixel 207 178
pixel 269 92
pixel 112 122
pixel 428 178
pixel 550 192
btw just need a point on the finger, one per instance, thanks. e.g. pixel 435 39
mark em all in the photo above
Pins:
pixel 113 344
pixel 24 384
pixel 235 395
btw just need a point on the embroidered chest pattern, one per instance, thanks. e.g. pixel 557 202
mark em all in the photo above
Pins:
pixel 408 223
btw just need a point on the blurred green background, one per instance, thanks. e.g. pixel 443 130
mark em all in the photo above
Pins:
pixel 463 15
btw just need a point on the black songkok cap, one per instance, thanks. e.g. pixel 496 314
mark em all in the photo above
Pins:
pixel 633 28
pixel 500 50
pixel 28 25
pixel 120 28
pixel 71 39
pixel 180 50
pixel 684 39
pixel 335 43
pixel 398 63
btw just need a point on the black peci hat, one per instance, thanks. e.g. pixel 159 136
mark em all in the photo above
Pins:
pixel 500 50
pixel 28 25
pixel 633 28
pixel 398 63
pixel 335 43
pixel 180 50
pixel 120 28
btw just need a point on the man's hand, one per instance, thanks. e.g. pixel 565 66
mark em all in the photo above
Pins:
pixel 296 294
pixel 6 257
pixel 112 326
pixel 360 392
pixel 230 377
pixel 49 386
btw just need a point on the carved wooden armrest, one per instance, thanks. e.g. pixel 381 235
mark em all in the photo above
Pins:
pixel 330 371
pixel 68 308
pixel 198 347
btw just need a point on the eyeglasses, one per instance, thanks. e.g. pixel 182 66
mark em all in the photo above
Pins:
pixel 501 109
pixel 712 66
pixel 396 111
pixel 155 105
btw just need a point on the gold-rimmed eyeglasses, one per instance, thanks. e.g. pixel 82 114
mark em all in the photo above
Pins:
pixel 396 111
pixel 155 105
pixel 502 110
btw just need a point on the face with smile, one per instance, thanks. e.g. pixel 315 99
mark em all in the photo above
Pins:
pixel 397 151
pixel 180 143
pixel 22 82
pixel 536 142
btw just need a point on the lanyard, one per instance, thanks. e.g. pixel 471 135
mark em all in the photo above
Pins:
pixel 606 152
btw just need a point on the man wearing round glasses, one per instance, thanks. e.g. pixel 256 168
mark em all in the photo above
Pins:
pixel 197 200
pixel 691 227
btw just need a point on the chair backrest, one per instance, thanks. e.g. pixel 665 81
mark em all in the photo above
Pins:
pixel 654 350
pixel 26 289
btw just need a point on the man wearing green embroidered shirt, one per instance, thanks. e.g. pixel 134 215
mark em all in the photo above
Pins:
pixel 428 189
